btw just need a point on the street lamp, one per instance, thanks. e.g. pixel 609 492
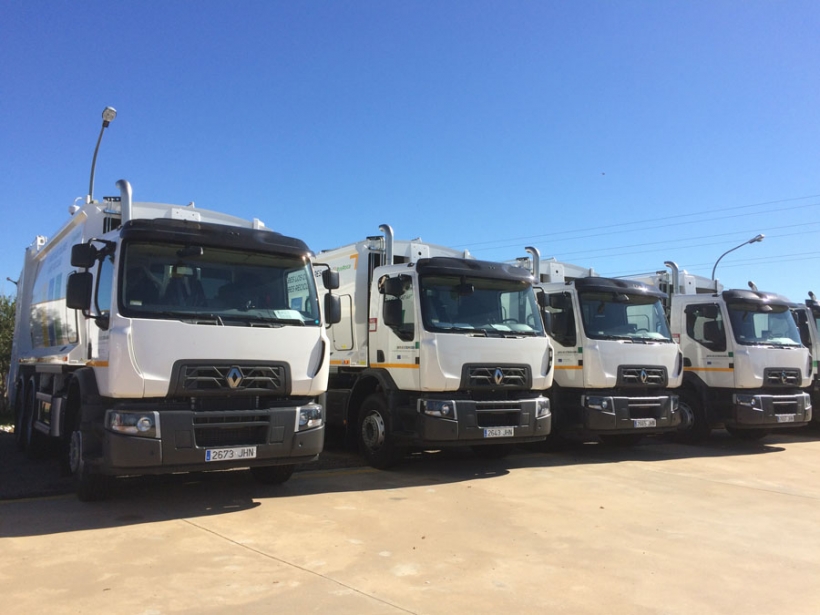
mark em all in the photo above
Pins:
pixel 108 114
pixel 754 239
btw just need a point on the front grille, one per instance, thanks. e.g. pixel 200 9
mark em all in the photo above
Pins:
pixel 646 407
pixel 498 414
pixel 777 377
pixel 230 430
pixel 496 377
pixel 785 404
pixel 203 378
pixel 641 376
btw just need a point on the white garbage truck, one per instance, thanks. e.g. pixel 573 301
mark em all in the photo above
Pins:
pixel 745 367
pixel 807 317
pixel 435 349
pixel 154 338
pixel 616 364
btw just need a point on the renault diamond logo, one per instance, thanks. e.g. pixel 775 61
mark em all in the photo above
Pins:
pixel 498 376
pixel 643 376
pixel 234 377
pixel 784 377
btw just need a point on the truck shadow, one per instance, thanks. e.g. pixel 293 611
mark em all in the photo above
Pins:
pixel 151 499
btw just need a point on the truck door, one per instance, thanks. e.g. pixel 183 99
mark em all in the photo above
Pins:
pixel 704 345
pixel 568 354
pixel 394 343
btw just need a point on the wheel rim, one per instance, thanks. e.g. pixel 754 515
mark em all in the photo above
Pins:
pixel 687 416
pixel 75 452
pixel 373 431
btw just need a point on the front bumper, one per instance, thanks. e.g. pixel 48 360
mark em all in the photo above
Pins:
pixel 621 415
pixel 770 411
pixel 185 436
pixel 485 422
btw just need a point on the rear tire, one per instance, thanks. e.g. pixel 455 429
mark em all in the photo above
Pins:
pixel 694 427
pixel 34 442
pixel 19 418
pixel 272 475
pixel 374 435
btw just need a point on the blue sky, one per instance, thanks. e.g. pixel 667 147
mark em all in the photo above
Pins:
pixel 614 135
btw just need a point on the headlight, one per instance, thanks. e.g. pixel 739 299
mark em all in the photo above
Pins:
pixel 747 400
pixel 309 417
pixel 542 407
pixel 133 423
pixel 674 399
pixel 440 408
pixel 603 404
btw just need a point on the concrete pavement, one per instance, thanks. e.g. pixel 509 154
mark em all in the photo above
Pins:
pixel 728 527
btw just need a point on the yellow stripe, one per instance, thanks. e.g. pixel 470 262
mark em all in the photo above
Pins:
pixel 708 369
pixel 97 363
pixel 396 365
pixel 569 367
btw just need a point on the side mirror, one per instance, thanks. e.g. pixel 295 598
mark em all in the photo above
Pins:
pixel 333 309
pixel 330 279
pixel 547 318
pixel 393 287
pixel 80 286
pixel 83 255
pixel 392 315
pixel 541 297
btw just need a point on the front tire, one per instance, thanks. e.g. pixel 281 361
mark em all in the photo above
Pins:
pixel 694 426
pixel 374 437
pixel 89 486
pixel 272 475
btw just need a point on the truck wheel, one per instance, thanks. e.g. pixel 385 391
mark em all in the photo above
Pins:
pixel 375 440
pixel 90 487
pixel 34 442
pixel 621 439
pixel 492 451
pixel 748 435
pixel 694 426
pixel 272 475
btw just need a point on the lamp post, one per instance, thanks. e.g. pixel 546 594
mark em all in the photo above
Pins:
pixel 108 114
pixel 754 239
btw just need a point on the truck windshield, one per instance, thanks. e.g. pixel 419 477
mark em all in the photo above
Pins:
pixel 763 323
pixel 622 315
pixel 474 305
pixel 216 286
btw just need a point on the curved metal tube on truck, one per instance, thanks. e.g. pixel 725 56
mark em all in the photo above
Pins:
pixel 126 195
pixel 388 243
pixel 536 262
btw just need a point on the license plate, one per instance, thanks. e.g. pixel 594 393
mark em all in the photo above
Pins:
pixel 499 432
pixel 230 454
pixel 644 423
pixel 785 418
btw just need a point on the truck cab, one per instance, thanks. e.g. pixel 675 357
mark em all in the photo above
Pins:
pixel 616 364
pixel 807 319
pixel 745 367
pixel 435 349
pixel 155 338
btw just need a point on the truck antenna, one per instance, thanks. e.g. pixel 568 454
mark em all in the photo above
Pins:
pixel 108 114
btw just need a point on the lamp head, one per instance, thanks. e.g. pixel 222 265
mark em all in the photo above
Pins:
pixel 108 114
pixel 757 238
